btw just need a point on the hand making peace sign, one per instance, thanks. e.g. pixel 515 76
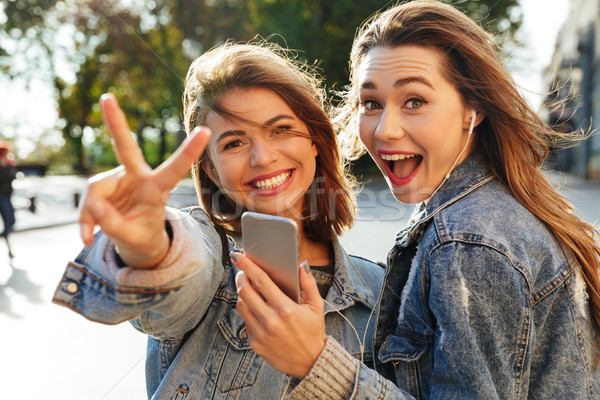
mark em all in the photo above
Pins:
pixel 128 202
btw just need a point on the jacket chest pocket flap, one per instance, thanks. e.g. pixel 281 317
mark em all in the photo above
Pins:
pixel 405 345
pixel 234 330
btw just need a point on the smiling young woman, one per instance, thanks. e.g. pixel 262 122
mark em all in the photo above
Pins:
pixel 324 216
pixel 266 157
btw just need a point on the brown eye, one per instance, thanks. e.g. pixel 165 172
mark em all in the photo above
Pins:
pixel 233 144
pixel 415 102
pixel 371 105
pixel 281 129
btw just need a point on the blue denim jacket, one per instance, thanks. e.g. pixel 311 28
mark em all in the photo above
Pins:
pixel 197 344
pixel 480 302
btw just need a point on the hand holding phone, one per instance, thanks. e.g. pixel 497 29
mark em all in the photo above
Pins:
pixel 272 243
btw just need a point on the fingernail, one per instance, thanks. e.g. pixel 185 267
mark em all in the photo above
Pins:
pixel 106 96
pixel 194 131
pixel 237 281
pixel 234 256
pixel 304 264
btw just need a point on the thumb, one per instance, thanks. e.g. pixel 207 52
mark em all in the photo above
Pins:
pixel 310 290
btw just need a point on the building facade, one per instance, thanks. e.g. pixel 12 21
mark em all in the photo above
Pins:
pixel 574 103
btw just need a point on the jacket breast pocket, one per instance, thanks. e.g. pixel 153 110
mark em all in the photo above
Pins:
pixel 231 369
pixel 231 364
pixel 412 356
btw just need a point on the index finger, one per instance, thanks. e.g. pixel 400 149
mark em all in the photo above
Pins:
pixel 177 166
pixel 261 282
pixel 126 149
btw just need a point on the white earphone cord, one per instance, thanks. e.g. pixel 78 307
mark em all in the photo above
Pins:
pixel 471 127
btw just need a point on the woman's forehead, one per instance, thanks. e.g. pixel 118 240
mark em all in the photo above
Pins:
pixel 405 59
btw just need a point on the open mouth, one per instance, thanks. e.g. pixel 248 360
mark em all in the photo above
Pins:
pixel 402 167
pixel 271 182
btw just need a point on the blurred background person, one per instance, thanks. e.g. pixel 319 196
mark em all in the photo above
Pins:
pixel 7 175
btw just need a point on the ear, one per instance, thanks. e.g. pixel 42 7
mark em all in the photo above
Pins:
pixel 469 115
pixel 314 149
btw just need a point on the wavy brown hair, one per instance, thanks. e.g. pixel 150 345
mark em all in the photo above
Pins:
pixel 330 204
pixel 511 140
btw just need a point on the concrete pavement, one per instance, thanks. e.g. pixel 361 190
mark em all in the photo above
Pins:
pixel 50 353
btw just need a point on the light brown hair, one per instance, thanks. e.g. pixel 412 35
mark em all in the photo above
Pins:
pixel 511 140
pixel 329 205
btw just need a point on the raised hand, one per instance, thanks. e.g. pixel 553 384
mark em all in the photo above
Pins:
pixel 287 335
pixel 128 202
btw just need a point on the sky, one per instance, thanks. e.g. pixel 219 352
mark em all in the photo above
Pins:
pixel 542 20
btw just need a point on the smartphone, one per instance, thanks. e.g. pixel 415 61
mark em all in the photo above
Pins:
pixel 272 243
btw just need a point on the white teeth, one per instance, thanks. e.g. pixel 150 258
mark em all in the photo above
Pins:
pixel 272 182
pixel 396 157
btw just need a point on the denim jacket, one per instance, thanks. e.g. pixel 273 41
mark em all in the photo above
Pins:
pixel 197 343
pixel 479 301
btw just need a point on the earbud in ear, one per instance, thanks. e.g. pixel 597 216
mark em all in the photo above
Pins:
pixel 472 124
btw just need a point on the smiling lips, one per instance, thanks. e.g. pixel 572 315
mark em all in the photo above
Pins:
pixel 270 182
pixel 401 168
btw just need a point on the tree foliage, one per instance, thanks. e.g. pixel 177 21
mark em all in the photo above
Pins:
pixel 140 50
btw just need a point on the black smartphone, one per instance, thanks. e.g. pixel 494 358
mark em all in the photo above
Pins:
pixel 272 243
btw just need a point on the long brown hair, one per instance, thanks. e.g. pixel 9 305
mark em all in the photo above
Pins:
pixel 329 205
pixel 511 140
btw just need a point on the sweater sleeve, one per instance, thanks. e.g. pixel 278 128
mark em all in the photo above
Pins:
pixel 331 377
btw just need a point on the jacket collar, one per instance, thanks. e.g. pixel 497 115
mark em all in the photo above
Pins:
pixel 348 285
pixel 465 178
pixel 347 288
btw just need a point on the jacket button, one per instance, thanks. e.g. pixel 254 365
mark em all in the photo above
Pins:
pixel 243 333
pixel 339 301
pixel 72 287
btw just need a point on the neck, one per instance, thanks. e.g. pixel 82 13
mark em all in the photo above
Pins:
pixel 317 253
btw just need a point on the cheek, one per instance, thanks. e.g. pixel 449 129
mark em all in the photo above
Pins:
pixel 225 171
pixel 366 130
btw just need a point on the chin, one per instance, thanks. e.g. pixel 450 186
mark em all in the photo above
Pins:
pixel 406 195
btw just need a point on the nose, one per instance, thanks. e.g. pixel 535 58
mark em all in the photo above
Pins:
pixel 263 153
pixel 389 126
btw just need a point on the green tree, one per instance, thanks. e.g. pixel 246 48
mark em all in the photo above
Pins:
pixel 141 52
pixel 324 30
pixel 138 57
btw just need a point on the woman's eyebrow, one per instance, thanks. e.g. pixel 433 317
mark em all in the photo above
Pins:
pixel 412 80
pixel 230 133
pixel 277 118
pixel 399 82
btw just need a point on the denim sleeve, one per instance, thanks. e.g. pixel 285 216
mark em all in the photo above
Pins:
pixel 478 297
pixel 164 302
